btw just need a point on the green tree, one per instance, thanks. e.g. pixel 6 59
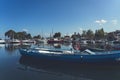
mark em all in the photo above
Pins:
pixel 23 35
pixel 57 35
pixel 96 35
pixel 28 36
pixel 10 34
pixel 84 33
pixel 89 34
pixel 99 34
pixel 18 35
pixel 37 37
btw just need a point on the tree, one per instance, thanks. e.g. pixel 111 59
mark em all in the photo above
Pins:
pixel 23 35
pixel 20 36
pixel 84 33
pixel 17 35
pixel 89 34
pixel 96 35
pixel 28 36
pixel 57 35
pixel 37 37
pixel 99 34
pixel 10 34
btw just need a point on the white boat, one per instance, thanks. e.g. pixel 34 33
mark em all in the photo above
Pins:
pixel 2 41
pixel 14 41
pixel 42 41
pixel 28 41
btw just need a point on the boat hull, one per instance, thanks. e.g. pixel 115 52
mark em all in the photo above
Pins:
pixel 53 41
pixel 2 42
pixel 78 58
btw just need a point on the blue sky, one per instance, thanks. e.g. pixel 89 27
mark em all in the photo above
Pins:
pixel 66 16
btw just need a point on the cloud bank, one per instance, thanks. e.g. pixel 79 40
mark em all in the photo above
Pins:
pixel 100 22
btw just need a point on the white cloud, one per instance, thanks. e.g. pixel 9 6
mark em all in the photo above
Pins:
pixel 103 21
pixel 114 22
pixel 81 30
pixel 100 22
pixel 26 30
pixel 97 21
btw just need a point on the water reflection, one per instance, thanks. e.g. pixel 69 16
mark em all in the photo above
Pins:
pixel 31 68
pixel 2 45
pixel 57 46
pixel 79 71
pixel 11 48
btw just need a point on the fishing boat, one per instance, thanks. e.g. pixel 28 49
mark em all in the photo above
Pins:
pixel 85 56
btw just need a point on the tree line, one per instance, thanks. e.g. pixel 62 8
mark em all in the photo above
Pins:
pixel 86 34
pixel 99 34
pixel 11 34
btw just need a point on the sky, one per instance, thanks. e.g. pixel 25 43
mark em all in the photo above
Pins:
pixel 65 16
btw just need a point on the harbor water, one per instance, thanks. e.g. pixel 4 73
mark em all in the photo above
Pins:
pixel 13 66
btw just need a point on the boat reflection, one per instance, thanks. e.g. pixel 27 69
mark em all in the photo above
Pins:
pixel 13 47
pixel 57 46
pixel 2 45
pixel 84 71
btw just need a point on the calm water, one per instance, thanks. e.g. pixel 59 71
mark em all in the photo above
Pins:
pixel 15 67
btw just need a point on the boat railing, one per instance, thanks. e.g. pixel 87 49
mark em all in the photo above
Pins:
pixel 69 51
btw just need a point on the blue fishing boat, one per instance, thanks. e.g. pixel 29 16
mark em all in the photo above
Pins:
pixel 85 56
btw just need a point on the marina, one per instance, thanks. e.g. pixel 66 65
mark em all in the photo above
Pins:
pixel 59 40
pixel 26 67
